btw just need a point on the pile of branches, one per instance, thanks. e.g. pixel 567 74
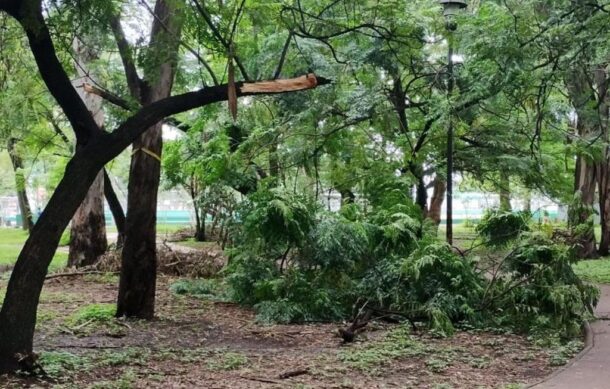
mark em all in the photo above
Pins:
pixel 193 263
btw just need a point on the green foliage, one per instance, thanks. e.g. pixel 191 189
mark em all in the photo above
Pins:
pixel 396 344
pixel 498 228
pixel 278 217
pixel 65 238
pixel 227 361
pixel 93 313
pixel 211 289
pixel 542 293
pixel 61 364
pixel 442 285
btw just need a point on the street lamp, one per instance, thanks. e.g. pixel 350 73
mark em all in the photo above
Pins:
pixel 450 9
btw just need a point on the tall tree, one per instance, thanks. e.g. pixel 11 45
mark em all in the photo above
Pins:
pixel 139 259
pixel 88 229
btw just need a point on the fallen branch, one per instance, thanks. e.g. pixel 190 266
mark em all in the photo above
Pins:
pixel 264 380
pixel 77 273
pixel 294 373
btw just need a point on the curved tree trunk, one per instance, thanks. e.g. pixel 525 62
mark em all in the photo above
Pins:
pixel 88 230
pixel 22 196
pixel 139 258
pixel 18 314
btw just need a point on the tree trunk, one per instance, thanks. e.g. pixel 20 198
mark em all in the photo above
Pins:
pixel 139 258
pixel 200 225
pixel 18 314
pixel 436 203
pixel 421 195
pixel 601 80
pixel 583 98
pixel 88 230
pixel 115 207
pixel 199 212
pixel 504 189
pixel 22 195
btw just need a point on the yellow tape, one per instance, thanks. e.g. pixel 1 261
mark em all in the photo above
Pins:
pixel 147 151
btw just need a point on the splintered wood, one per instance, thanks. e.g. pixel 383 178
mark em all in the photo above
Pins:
pixel 308 81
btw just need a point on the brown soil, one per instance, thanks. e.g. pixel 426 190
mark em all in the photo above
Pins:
pixel 195 343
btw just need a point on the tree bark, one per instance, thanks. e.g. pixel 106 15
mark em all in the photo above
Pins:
pixel 115 207
pixel 88 240
pixel 436 203
pixel 22 195
pixel 601 80
pixel 139 258
pixel 18 314
pixel 582 97
pixel 88 230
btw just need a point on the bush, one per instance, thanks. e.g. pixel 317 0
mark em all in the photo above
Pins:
pixel 93 313
pixel 540 292
pixel 498 228
pixel 297 263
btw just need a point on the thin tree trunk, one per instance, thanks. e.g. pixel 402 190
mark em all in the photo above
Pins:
pixel 88 230
pixel 436 203
pixel 139 258
pixel 504 189
pixel 200 227
pixel 22 196
pixel 115 207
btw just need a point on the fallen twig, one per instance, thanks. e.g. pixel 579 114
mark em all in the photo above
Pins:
pixel 265 380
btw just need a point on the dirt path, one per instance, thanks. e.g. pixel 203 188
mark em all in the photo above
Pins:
pixel 591 370
pixel 198 343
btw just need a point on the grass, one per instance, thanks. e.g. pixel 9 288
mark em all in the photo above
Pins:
pixel 162 228
pixel 368 357
pixel 594 270
pixel 11 242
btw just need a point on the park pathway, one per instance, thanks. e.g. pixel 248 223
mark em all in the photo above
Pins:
pixel 591 370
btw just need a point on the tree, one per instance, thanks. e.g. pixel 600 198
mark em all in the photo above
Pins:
pixel 88 228
pixel 139 263
pixel 95 148
pixel 20 185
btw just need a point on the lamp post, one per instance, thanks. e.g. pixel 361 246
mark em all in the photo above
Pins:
pixel 450 9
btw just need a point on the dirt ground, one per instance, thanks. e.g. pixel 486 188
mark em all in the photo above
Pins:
pixel 195 343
